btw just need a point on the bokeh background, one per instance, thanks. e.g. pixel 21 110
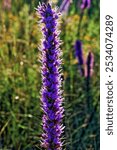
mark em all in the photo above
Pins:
pixel 20 78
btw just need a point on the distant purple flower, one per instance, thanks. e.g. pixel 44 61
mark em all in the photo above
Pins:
pixel 51 80
pixel 65 5
pixel 7 4
pixel 90 64
pixel 86 4
pixel 79 55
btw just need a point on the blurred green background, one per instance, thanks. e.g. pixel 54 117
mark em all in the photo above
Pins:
pixel 20 78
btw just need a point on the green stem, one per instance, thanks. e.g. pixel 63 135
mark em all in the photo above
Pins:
pixel 80 22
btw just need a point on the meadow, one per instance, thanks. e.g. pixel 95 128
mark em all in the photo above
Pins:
pixel 20 77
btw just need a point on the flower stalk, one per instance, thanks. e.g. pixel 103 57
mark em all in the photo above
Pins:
pixel 90 64
pixel 79 56
pixel 89 73
pixel 85 4
pixel 85 66
pixel 51 93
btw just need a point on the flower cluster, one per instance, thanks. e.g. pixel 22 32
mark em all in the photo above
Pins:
pixel 90 64
pixel 85 4
pixel 86 69
pixel 51 79
pixel 79 55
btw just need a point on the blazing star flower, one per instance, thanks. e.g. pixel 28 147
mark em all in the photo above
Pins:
pixel 79 55
pixel 85 4
pixel 65 5
pixel 90 64
pixel 51 94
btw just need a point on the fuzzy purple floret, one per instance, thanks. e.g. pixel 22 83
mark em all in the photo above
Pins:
pixel 86 4
pixel 79 55
pixel 90 64
pixel 51 80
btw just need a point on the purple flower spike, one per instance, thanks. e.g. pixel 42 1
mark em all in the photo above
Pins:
pixel 65 5
pixel 90 64
pixel 85 4
pixel 79 55
pixel 51 79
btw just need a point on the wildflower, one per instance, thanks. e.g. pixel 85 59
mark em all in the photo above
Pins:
pixel 21 63
pixel 85 4
pixel 65 5
pixel 79 55
pixel 7 4
pixel 51 94
pixel 90 64
pixel 17 97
